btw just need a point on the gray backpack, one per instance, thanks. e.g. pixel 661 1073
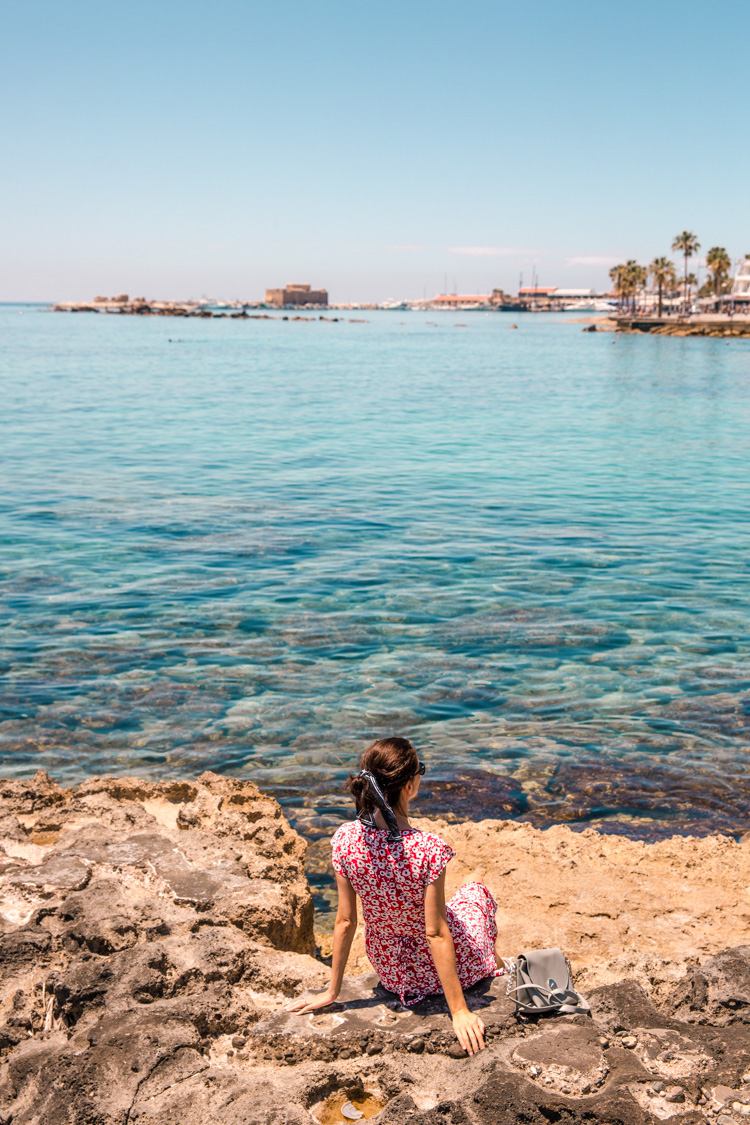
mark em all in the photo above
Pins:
pixel 541 984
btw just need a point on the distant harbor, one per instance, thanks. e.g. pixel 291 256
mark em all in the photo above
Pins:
pixel 672 306
pixel 302 298
pixel 724 324
pixel 208 310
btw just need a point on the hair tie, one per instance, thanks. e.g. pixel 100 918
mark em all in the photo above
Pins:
pixel 382 802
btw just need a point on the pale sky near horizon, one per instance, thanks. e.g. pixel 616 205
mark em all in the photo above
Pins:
pixel 379 150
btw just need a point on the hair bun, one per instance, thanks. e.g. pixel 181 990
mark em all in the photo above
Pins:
pixel 392 762
pixel 356 786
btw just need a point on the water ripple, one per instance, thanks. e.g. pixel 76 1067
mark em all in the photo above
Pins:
pixel 252 553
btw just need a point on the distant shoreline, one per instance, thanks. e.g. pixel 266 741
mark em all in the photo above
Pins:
pixel 703 324
pixel 717 325
pixel 200 312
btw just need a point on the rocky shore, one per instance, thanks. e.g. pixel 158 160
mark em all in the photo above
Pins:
pixel 171 308
pixel 139 306
pixel 151 931
pixel 716 325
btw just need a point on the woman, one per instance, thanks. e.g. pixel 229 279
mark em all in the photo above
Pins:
pixel 416 942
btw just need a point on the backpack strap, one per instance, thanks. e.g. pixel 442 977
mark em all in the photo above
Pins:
pixel 566 1001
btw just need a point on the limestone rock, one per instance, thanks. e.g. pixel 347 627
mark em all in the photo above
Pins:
pixel 139 921
pixel 151 933
pixel 718 992
pixel 216 844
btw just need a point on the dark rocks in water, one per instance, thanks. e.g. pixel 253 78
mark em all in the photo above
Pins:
pixel 725 712
pixel 471 795
pixel 149 934
pixel 644 799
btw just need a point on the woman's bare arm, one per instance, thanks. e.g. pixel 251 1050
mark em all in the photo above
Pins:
pixel 343 935
pixel 468 1026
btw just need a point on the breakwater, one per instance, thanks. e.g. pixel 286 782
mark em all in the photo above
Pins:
pixel 714 325
pixel 182 310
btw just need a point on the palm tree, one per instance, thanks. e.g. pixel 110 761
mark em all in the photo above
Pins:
pixel 636 279
pixel 663 273
pixel 618 277
pixel 690 281
pixel 686 244
pixel 675 289
pixel 719 265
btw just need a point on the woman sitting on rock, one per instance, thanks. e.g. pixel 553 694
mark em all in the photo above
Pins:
pixel 417 943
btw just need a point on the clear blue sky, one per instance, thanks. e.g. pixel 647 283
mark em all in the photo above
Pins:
pixel 176 149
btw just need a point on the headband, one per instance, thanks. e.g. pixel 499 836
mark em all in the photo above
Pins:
pixel 382 802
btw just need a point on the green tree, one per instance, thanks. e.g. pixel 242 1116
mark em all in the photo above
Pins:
pixel 686 244
pixel 628 277
pixel 690 281
pixel 636 276
pixel 664 275
pixel 719 265
pixel 618 277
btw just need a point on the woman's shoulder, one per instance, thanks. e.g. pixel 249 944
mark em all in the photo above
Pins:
pixel 429 842
pixel 346 847
pixel 431 854
pixel 347 832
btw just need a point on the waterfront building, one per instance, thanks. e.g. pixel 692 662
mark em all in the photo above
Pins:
pixel 555 298
pixel 738 297
pixel 571 294
pixel 296 295
pixel 460 301
pixel 536 292
pixel 555 294
pixel 536 297
pixel 741 284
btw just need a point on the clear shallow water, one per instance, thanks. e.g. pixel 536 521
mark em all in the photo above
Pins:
pixel 258 546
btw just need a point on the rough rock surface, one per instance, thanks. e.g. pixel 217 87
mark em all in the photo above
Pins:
pixel 150 932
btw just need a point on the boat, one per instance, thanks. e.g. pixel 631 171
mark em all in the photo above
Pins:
pixel 586 305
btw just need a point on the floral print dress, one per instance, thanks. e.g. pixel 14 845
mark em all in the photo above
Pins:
pixel 390 878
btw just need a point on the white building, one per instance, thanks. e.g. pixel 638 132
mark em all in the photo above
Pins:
pixel 741 284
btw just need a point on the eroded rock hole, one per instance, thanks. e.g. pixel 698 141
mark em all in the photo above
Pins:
pixel 342 1107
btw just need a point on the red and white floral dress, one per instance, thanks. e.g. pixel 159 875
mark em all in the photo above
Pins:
pixel 390 879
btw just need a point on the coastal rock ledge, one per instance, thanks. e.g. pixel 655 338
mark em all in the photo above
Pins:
pixel 150 932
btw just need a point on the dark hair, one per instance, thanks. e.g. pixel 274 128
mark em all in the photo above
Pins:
pixel 394 762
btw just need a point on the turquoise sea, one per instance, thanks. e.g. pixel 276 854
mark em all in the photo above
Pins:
pixel 252 546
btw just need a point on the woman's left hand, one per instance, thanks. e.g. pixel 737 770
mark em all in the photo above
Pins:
pixel 321 1001
pixel 469 1029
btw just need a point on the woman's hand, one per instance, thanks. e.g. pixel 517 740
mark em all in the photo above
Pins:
pixel 468 1027
pixel 321 1001
pixel 469 1030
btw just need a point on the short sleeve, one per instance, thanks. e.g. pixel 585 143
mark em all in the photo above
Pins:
pixel 438 857
pixel 338 851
